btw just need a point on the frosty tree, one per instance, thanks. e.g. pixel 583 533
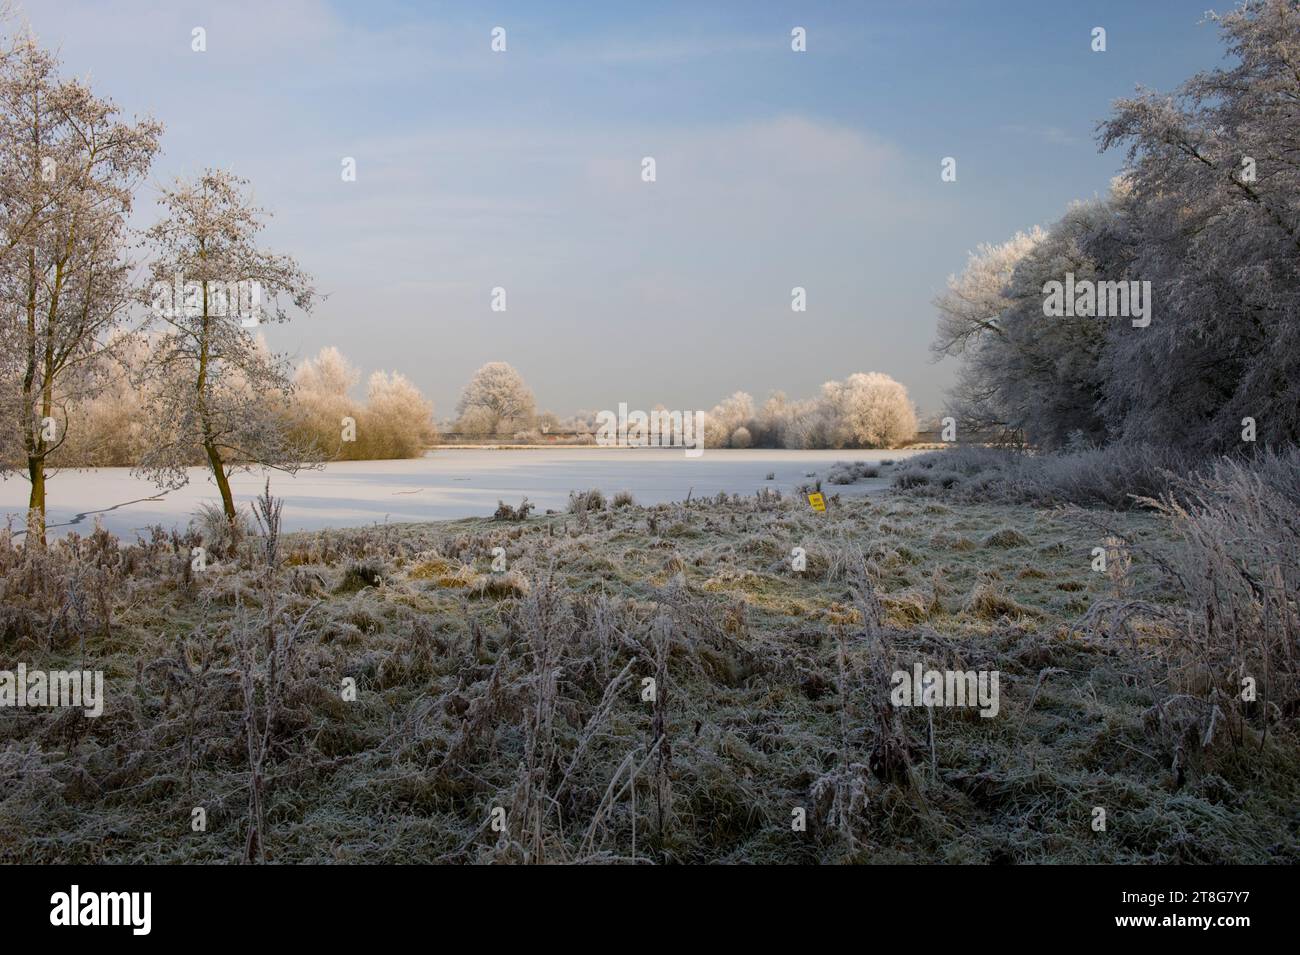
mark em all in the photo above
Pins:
pixel 496 399
pixel 1216 202
pixel 726 418
pixel 1023 372
pixel 68 168
pixel 972 306
pixel 869 410
pixel 222 395
pixel 1208 212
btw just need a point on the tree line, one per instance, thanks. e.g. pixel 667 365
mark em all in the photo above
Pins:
pixel 868 410
pixel 1206 210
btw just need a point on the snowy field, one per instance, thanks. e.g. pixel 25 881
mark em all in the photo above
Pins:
pixel 447 483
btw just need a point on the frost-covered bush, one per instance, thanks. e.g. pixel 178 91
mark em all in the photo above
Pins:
pixel 395 421
pixel 1231 671
pixel 581 502
pixel 220 536
pixel 1115 476
pixel 845 472
pixel 322 399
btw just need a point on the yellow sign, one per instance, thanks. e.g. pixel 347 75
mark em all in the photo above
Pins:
pixel 817 501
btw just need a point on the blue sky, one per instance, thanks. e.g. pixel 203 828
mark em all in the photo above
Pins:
pixel 522 170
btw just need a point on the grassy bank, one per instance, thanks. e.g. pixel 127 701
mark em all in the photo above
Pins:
pixel 523 691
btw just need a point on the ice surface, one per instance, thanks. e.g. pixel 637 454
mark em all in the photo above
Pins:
pixel 445 483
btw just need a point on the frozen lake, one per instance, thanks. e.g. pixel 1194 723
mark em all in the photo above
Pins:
pixel 445 483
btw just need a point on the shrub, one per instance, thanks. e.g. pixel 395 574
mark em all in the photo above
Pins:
pixel 505 512
pixel 394 422
pixel 1117 476
pixel 842 472
pixel 582 502
pixel 1006 537
pixel 397 422
pixel 1228 655
pixel 220 536
pixel 359 575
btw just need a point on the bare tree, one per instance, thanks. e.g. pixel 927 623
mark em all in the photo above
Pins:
pixel 222 395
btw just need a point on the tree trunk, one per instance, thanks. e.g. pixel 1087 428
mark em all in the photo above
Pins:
pixel 200 394
pixel 36 501
pixel 223 482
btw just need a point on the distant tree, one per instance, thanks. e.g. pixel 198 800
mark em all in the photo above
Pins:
pixel 806 425
pixel 771 422
pixel 583 421
pixel 220 391
pixel 498 398
pixel 108 428
pixel 868 410
pixel 728 415
pixel 397 421
pixel 865 410
pixel 322 399
pixel 478 422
